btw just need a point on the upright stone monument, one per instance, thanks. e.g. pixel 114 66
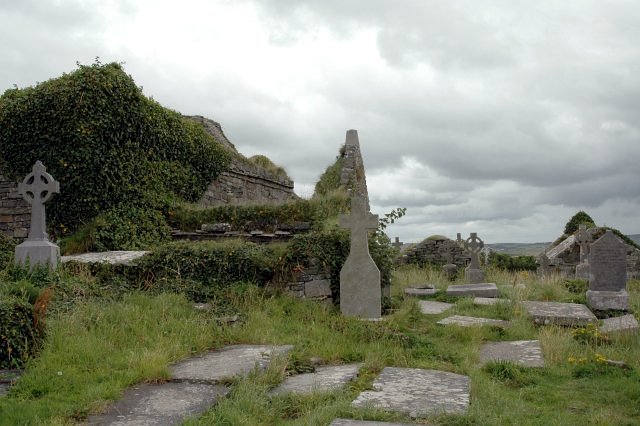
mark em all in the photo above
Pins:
pixel 360 288
pixel 38 188
pixel 584 239
pixel 608 274
pixel 474 245
pixel 450 269
pixel 398 244
pixel 544 266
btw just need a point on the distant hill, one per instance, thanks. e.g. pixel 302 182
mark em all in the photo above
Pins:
pixel 635 238
pixel 519 249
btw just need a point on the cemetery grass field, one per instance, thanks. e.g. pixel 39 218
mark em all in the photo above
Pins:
pixel 101 342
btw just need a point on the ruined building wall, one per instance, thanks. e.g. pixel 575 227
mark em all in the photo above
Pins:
pixel 15 212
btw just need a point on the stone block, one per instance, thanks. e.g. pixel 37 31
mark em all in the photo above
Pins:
pixel 37 253
pixel 565 314
pixel 427 290
pixel 477 290
pixel 527 353
pixel 317 288
pixel 433 308
pixel 626 323
pixel 474 276
pixel 582 271
pixel 608 300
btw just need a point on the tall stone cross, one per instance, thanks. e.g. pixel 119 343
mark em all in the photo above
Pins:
pixel 474 245
pixel 38 188
pixel 398 244
pixel 360 289
pixel 584 239
pixel 459 240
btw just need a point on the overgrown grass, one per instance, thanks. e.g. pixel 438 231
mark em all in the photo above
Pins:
pixel 143 334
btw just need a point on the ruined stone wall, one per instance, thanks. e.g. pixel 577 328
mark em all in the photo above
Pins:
pixel 15 212
pixel 352 175
pixel 244 183
pixel 437 252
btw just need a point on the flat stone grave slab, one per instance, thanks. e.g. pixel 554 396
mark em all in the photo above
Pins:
pixel 626 323
pixel 417 392
pixel 165 404
pixel 111 257
pixel 477 290
pixel 433 308
pixel 425 290
pixel 527 353
pixel 348 422
pixel 323 379
pixel 226 363
pixel 567 314
pixel 465 321
pixel 7 378
pixel 489 301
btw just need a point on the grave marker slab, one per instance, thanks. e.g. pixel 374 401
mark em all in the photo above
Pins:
pixel 566 314
pixel 426 290
pixel 489 301
pixel 527 353
pixel 323 379
pixel 608 274
pixel 360 288
pixel 38 188
pixel 478 290
pixel 417 392
pixel 465 321
pixel 626 323
pixel 433 308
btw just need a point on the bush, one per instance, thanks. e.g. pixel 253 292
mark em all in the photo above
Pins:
pixel 19 337
pixel 7 249
pixel 512 263
pixel 330 180
pixel 268 165
pixel 106 143
pixel 577 220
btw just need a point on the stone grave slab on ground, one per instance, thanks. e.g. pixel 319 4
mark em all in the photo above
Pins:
pixel 119 257
pixel 349 422
pixel 229 362
pixel 566 314
pixel 465 321
pixel 527 353
pixel 166 404
pixel 626 323
pixel 608 274
pixel 423 290
pixel 477 290
pixel 324 379
pixel 7 378
pixel 433 308
pixel 417 392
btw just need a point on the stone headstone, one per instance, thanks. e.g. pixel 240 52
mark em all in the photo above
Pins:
pixel 417 392
pixel 583 239
pixel 38 188
pixel 360 288
pixel 474 245
pixel 544 266
pixel 608 274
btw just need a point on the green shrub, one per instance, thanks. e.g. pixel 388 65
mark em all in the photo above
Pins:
pixel 106 143
pixel 7 249
pixel 19 337
pixel 268 165
pixel 577 220
pixel 512 263
pixel 330 180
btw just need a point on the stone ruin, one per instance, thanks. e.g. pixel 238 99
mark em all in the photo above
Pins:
pixel 436 250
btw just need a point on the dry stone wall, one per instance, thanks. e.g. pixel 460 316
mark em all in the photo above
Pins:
pixel 15 212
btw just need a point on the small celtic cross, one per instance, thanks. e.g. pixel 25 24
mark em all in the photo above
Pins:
pixel 38 188
pixel 474 246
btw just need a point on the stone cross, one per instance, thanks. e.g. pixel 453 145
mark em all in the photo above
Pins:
pixel 544 265
pixel 584 239
pixel 397 244
pixel 474 245
pixel 360 288
pixel 38 188
pixel 459 240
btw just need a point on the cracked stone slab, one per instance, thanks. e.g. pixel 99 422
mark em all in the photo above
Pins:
pixel 348 422
pixel 489 301
pixel 465 321
pixel 527 353
pixel 111 257
pixel 160 405
pixel 477 290
pixel 567 314
pixel 433 308
pixel 626 323
pixel 417 392
pixel 323 379
pixel 228 362
pixel 426 290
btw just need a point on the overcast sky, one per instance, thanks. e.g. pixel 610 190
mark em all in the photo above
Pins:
pixel 497 117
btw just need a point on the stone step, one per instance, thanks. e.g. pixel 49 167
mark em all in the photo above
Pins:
pixel 417 392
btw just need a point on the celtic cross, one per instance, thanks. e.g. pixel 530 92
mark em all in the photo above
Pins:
pixel 584 239
pixel 38 188
pixel 474 246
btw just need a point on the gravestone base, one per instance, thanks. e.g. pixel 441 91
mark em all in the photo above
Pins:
pixel 37 252
pixel 608 300
pixel 474 276
pixel 582 271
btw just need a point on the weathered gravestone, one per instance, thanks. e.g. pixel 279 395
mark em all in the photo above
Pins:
pixel 474 245
pixel 584 240
pixel 608 274
pixel 544 266
pixel 360 289
pixel 450 269
pixel 38 188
